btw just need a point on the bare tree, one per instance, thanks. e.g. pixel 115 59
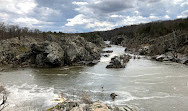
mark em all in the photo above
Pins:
pixel 174 52
pixel 3 99
pixel 17 31
pixel 24 31
pixel 2 29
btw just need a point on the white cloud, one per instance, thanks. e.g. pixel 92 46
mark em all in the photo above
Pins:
pixel 18 6
pixel 183 14
pixel 177 1
pixel 100 25
pixel 77 20
pixel 153 17
pixel 184 4
pixel 45 11
pixel 27 20
pixel 30 22
pixel 79 3
pixel 90 23
pixel 116 16
pixel 129 20
pixel 3 16
pixel 137 12
pixel 167 17
pixel 89 15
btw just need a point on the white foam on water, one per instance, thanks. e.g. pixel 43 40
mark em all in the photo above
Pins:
pixel 114 75
pixel 150 83
pixel 55 74
pixel 29 97
pixel 126 96
pixel 175 76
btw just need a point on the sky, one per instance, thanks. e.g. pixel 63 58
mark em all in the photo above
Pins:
pixel 75 16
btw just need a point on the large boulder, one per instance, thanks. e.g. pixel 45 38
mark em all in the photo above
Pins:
pixel 160 57
pixel 48 54
pixel 78 49
pixel 119 61
pixel 99 106
pixel 184 60
pixel 118 40
pixel 10 49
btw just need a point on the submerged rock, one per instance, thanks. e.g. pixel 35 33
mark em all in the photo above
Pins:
pixel 108 45
pixel 108 51
pixel 113 96
pixel 106 55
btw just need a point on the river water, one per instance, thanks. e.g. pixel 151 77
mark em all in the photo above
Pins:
pixel 146 84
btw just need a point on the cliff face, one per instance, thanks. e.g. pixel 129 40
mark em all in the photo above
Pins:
pixel 54 52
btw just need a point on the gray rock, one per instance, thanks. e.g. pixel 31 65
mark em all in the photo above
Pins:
pixel 108 51
pixel 106 55
pixel 160 57
pixel 166 59
pixel 125 49
pixel 119 62
pixel 48 54
pixel 57 51
pixel 184 60
pixel 96 106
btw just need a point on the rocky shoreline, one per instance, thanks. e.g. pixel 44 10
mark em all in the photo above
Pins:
pixel 53 52
pixel 94 106
pixel 180 58
pixel 164 48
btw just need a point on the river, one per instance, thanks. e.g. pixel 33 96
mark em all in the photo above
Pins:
pixel 146 84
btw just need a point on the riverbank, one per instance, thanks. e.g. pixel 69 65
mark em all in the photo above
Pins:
pixel 161 40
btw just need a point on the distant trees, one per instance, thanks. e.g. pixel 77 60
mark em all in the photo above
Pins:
pixel 10 31
pixel 152 29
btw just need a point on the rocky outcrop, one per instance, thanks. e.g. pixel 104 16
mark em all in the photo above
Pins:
pixel 183 59
pixel 78 49
pixel 119 61
pixel 58 51
pixel 118 40
pixel 95 106
pixel 48 54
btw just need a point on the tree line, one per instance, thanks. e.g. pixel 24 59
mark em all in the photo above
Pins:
pixel 11 31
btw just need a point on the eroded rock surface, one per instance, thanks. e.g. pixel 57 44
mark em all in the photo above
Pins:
pixel 119 61
pixel 95 106
pixel 58 51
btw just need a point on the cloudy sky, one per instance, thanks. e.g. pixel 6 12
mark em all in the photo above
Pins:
pixel 88 15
